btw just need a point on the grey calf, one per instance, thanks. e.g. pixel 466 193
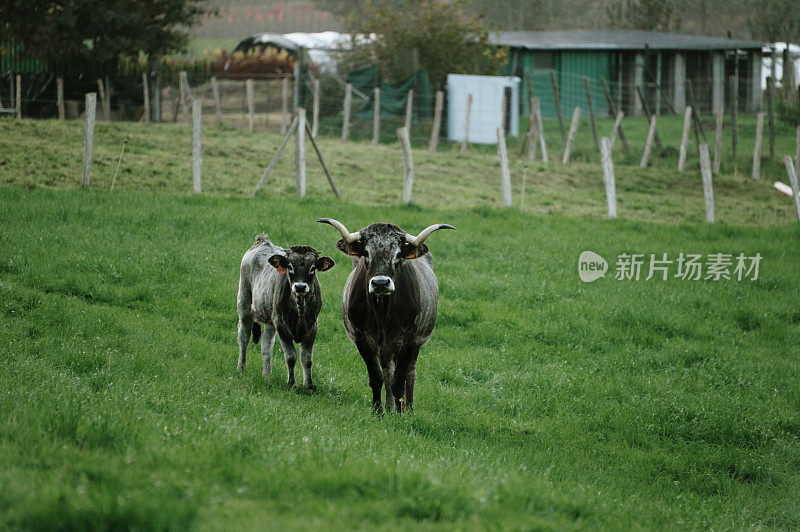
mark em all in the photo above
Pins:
pixel 278 288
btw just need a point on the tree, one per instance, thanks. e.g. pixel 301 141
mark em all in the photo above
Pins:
pixel 446 40
pixel 774 20
pixel 649 15
pixel 70 33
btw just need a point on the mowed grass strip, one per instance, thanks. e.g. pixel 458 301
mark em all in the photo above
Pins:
pixel 542 402
pixel 47 153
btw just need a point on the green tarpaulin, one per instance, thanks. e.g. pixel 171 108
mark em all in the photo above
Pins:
pixel 393 96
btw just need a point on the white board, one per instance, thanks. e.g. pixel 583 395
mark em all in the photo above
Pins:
pixel 487 101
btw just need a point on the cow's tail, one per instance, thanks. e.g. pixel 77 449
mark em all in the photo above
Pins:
pixel 256 332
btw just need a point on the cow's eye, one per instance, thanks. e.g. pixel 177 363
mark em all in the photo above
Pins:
pixel 311 270
pixel 290 269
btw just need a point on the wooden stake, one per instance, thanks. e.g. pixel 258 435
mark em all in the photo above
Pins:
pixel 708 190
pixel 540 125
pixel 557 103
pixel 19 96
pixel 322 162
pixel 348 99
pixel 146 97
pixel 60 97
pixel 275 157
pixel 505 175
pixel 649 145
pixel 533 129
pixel 91 105
pixel 103 100
pixel 466 124
pixel 251 105
pixel 687 122
pixel 608 176
pixel 437 122
pixel 613 109
pixel 376 117
pixel 615 128
pixel 409 110
pixel 119 162
pixel 573 128
pixel 792 172
pixel 797 146
pixel 770 117
pixel 735 117
pixel 284 104
pixel 315 110
pixel 757 149
pixel 408 164
pixel 217 101
pixel 718 142
pixel 197 157
pixel 591 109
pixel 300 153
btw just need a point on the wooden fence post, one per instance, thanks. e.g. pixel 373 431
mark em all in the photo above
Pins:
pixel 91 105
pixel 649 145
pixel 348 99
pixel 797 146
pixel 540 125
pixel 687 121
pixel 408 163
pixel 735 119
pixel 103 101
pixel 217 102
pixel 300 153
pixel 718 142
pixel 608 176
pixel 557 103
pixel 591 109
pixel 615 127
pixel 792 172
pixel 770 117
pixel 184 94
pixel 613 109
pixel 60 97
pixel 533 128
pixel 437 122
pixel 708 190
pixel 376 117
pixel 19 96
pixel 573 128
pixel 315 110
pixel 409 110
pixel 197 157
pixel 284 105
pixel 505 176
pixel 146 97
pixel 757 149
pixel 468 111
pixel 251 105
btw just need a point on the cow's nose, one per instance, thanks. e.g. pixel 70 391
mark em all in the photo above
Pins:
pixel 300 288
pixel 380 284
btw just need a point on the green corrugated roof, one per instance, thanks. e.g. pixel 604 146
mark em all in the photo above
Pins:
pixel 615 40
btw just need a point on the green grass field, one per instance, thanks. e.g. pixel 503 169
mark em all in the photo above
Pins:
pixel 542 402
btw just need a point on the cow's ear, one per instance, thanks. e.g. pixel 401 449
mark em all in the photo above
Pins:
pixel 279 262
pixel 414 252
pixel 324 264
pixel 353 248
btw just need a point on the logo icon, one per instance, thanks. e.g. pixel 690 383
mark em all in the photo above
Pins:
pixel 591 266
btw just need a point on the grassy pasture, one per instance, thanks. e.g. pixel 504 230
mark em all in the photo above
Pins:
pixel 542 402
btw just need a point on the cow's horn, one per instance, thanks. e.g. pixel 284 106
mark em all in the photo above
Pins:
pixel 420 238
pixel 346 235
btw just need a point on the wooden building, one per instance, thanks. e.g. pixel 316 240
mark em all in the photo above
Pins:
pixel 664 67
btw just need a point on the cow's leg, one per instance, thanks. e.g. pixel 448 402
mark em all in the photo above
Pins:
pixel 306 356
pixel 388 379
pixel 405 359
pixel 411 378
pixel 374 372
pixel 267 343
pixel 289 354
pixel 245 328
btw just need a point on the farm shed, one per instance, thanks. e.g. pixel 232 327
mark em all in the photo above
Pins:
pixel 628 60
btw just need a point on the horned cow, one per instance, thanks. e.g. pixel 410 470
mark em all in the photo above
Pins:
pixel 279 289
pixel 389 305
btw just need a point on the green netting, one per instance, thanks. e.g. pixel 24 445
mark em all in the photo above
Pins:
pixel 393 97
